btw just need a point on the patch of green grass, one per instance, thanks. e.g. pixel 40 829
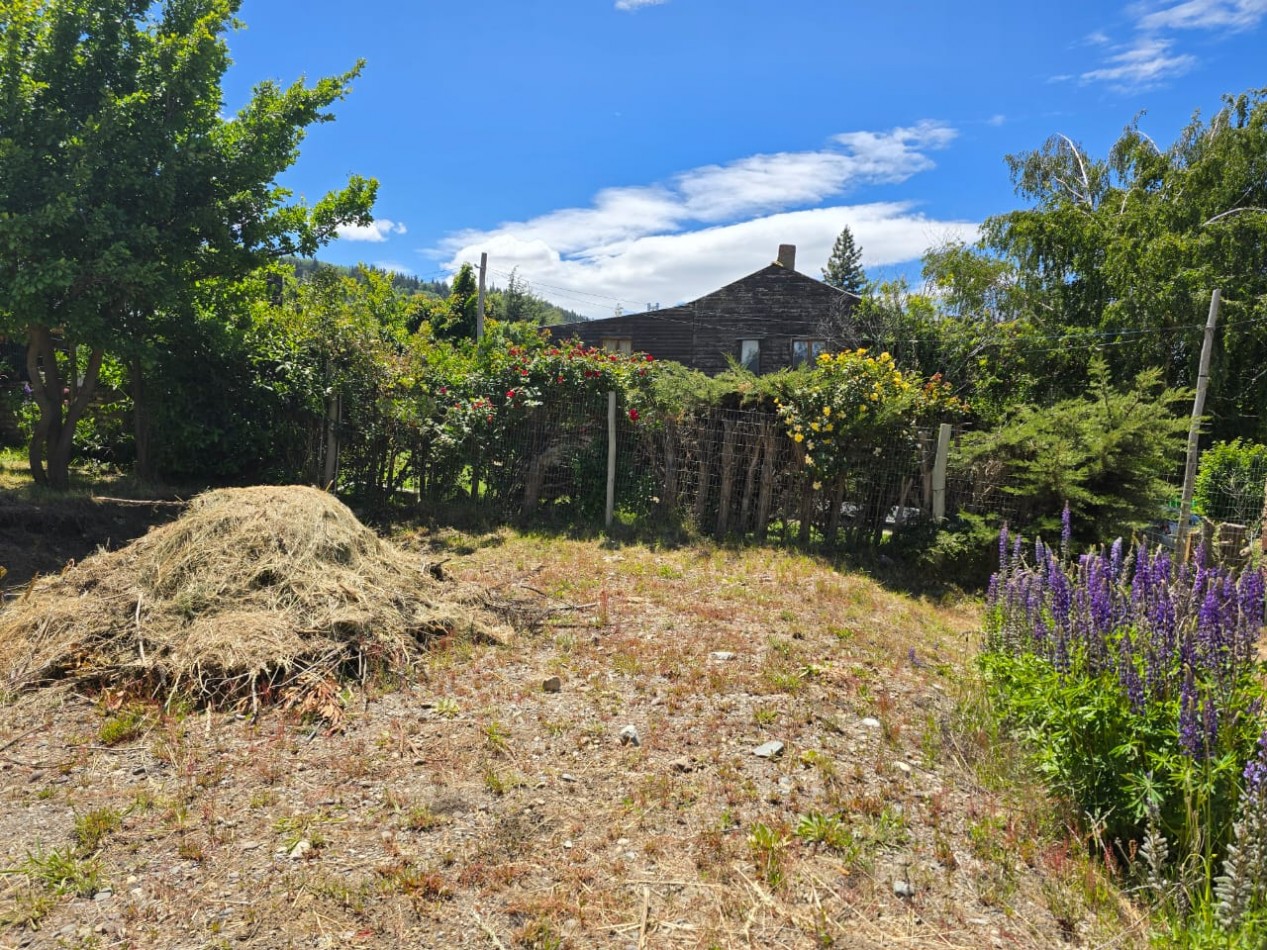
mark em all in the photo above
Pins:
pixel 497 737
pixel 125 724
pixel 60 872
pixel 499 783
pixel 767 845
pixel 93 827
pixel 765 716
pixel 447 707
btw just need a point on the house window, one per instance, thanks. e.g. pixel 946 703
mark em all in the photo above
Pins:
pixel 750 355
pixel 618 344
pixel 807 351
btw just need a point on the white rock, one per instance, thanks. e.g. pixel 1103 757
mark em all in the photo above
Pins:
pixel 769 750
pixel 870 723
pixel 629 736
pixel 721 656
pixel 300 850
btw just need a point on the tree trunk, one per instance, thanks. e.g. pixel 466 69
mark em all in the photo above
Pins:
pixel 61 406
pixel 142 425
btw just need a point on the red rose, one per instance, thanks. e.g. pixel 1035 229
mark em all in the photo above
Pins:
pixel 633 415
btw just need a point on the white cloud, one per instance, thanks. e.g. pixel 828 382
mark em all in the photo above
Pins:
pixel 635 4
pixel 1204 15
pixel 375 233
pixel 1145 64
pixel 1150 59
pixel 674 241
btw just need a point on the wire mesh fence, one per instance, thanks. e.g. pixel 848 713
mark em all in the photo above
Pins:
pixel 730 473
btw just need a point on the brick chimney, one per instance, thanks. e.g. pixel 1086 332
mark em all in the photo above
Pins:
pixel 787 256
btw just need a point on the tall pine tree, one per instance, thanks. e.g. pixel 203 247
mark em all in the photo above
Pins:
pixel 844 267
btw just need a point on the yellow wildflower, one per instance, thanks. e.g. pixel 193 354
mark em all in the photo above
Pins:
pixel 815 426
pixel 827 410
pixel 829 427
pixel 817 486
pixel 798 438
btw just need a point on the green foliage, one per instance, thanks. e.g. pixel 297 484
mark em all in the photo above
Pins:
pixel 1126 250
pixel 852 403
pixel 844 266
pixel 149 187
pixel 60 871
pixel 1106 453
pixel 1230 482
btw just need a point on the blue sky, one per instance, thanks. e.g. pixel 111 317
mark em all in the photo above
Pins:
pixel 624 152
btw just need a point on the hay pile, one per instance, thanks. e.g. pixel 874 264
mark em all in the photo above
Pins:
pixel 251 592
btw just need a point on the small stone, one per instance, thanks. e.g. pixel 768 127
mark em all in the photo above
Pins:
pixel 681 764
pixel 552 685
pixel 103 895
pixel 721 656
pixel 567 778
pixel 903 889
pixel 769 750
pixel 568 845
pixel 902 767
pixel 629 736
pixel 248 845
pixel 871 723
pixel 300 850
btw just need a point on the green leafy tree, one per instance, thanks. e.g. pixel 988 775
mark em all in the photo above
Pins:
pixel 844 267
pixel 122 185
pixel 454 319
pixel 1123 251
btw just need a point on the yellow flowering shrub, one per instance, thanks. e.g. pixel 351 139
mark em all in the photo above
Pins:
pixel 852 401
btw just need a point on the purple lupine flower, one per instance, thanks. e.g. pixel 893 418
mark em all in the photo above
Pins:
pixel 1190 726
pixel 1128 675
pixel 1061 597
pixel 1066 532
pixel 1115 561
pixel 1003 565
pixel 1210 725
pixel 1255 773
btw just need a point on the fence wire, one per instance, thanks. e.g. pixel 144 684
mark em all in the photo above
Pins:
pixel 726 472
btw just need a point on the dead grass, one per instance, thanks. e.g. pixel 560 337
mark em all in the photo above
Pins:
pixel 252 590
pixel 471 808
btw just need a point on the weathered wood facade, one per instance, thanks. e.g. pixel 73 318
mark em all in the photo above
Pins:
pixel 768 320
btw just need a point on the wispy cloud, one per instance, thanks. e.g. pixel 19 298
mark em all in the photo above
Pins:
pixel 675 240
pixel 635 4
pixel 1233 15
pixel 375 233
pixel 1144 65
pixel 1151 57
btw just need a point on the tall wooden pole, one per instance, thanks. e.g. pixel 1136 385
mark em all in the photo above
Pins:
pixel 479 305
pixel 1194 427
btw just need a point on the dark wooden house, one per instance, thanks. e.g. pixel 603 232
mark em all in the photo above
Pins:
pixel 767 321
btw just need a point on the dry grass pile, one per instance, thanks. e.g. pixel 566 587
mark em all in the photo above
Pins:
pixel 253 593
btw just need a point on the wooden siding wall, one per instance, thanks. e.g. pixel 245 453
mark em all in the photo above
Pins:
pixel 774 305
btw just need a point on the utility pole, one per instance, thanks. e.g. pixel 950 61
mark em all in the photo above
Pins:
pixel 479 306
pixel 1194 427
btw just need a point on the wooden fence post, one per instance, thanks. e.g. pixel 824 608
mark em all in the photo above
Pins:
pixel 1182 547
pixel 939 473
pixel 611 459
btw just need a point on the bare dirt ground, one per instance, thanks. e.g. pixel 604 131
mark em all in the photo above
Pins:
pixel 497 798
